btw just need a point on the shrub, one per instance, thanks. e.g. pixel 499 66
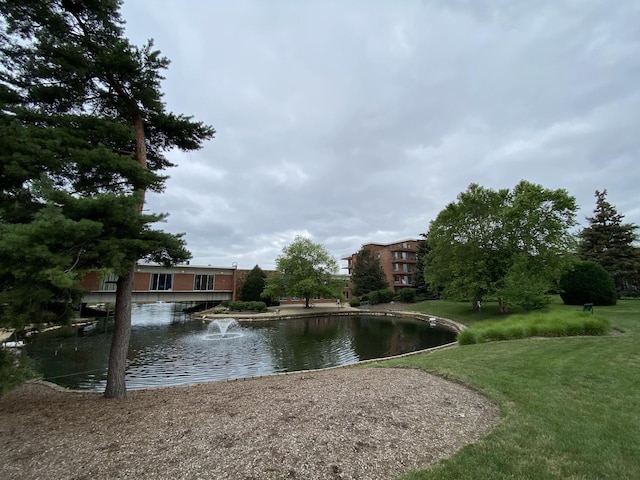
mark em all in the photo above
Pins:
pixel 386 295
pixel 587 282
pixel 374 298
pixel 355 302
pixel 256 306
pixel 408 295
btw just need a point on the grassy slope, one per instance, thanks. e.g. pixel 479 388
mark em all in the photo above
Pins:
pixel 571 406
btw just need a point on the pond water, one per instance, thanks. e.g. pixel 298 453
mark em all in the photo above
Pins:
pixel 169 348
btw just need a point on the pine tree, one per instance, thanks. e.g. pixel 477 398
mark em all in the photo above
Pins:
pixel 609 242
pixel 86 108
pixel 254 285
pixel 368 275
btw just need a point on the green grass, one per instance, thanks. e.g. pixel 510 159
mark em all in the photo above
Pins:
pixel 570 405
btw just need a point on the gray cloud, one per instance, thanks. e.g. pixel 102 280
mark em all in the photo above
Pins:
pixel 351 122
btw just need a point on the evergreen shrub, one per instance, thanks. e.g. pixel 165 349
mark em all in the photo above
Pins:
pixel 408 295
pixel 587 282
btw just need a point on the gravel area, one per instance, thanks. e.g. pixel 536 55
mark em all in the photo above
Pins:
pixel 343 423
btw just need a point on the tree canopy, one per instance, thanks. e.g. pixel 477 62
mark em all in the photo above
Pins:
pixel 83 136
pixel 367 275
pixel 609 242
pixel 304 269
pixel 487 241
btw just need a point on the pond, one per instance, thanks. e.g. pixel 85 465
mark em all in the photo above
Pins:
pixel 169 348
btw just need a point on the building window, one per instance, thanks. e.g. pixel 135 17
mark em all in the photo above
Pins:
pixel 395 266
pixel 405 267
pixel 294 299
pixel 108 282
pixel 396 278
pixel 161 281
pixel 283 298
pixel 203 282
pixel 394 256
pixel 346 295
pixel 405 255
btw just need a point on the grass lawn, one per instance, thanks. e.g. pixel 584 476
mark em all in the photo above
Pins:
pixel 570 405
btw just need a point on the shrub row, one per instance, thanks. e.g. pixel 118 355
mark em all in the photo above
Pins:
pixel 247 306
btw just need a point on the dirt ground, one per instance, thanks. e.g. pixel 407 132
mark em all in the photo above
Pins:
pixel 343 423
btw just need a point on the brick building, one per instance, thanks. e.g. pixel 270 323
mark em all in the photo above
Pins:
pixel 398 261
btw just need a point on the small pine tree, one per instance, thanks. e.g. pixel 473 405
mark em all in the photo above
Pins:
pixel 609 242
pixel 254 285
pixel 368 275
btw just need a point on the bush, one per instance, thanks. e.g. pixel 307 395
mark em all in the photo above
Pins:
pixel 256 306
pixel 587 282
pixel 385 295
pixel 374 298
pixel 408 295
pixel 15 369
pixel 355 302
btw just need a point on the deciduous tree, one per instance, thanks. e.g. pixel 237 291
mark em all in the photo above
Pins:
pixel 305 269
pixel 489 236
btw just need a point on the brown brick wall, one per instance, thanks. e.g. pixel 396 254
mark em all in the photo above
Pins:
pixel 183 282
pixel 223 282
pixel 141 281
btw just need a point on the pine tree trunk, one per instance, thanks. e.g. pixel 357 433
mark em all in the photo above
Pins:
pixel 116 384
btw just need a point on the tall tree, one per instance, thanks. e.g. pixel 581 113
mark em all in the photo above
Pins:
pixel 75 88
pixel 305 269
pixel 368 275
pixel 486 235
pixel 419 283
pixel 609 242
pixel 253 285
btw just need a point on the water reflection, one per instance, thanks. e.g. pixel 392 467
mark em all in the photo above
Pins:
pixel 167 348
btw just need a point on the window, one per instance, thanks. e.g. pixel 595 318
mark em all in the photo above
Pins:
pixel 346 295
pixel 161 281
pixel 203 282
pixel 405 267
pixel 394 256
pixel 396 278
pixel 405 255
pixel 294 299
pixel 108 282
pixel 395 266
pixel 283 298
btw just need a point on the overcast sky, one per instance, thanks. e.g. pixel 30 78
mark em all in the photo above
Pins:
pixel 358 121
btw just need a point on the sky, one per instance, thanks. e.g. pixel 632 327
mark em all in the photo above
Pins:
pixel 351 122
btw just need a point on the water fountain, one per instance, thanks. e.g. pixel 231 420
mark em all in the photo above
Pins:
pixel 219 329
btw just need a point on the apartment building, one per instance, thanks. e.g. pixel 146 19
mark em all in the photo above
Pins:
pixel 398 261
